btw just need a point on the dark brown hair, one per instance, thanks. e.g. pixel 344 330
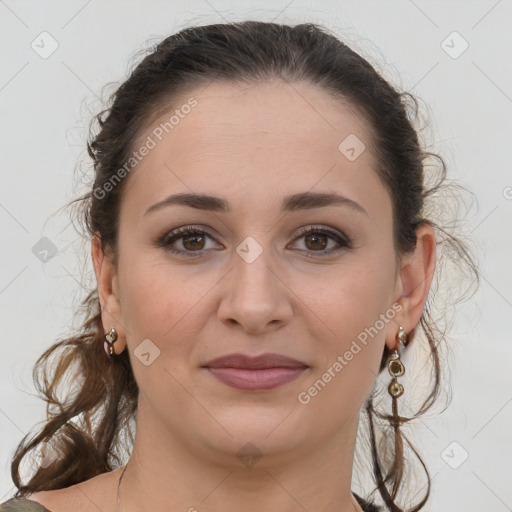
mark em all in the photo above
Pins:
pixel 86 427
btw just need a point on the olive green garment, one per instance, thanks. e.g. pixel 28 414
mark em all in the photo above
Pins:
pixel 22 505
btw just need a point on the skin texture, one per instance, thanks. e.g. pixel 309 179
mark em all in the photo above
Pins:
pixel 252 146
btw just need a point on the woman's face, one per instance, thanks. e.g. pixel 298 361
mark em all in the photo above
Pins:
pixel 248 281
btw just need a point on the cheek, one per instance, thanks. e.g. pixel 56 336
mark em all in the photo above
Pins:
pixel 157 305
pixel 350 340
pixel 355 309
pixel 351 350
pixel 161 300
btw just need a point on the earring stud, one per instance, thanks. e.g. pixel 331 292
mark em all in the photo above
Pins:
pixel 110 339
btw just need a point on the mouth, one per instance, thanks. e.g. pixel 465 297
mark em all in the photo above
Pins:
pixel 263 372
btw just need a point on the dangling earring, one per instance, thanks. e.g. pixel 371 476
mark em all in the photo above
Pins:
pixel 396 367
pixel 110 339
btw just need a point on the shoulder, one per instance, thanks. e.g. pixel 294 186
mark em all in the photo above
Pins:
pixel 91 495
pixel 43 501
pixel 22 505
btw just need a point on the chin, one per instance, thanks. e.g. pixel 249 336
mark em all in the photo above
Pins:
pixel 256 435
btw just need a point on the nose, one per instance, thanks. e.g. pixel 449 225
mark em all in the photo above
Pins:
pixel 255 295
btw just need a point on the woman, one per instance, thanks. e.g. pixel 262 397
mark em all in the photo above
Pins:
pixel 261 254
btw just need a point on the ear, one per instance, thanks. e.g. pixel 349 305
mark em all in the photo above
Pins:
pixel 108 291
pixel 413 283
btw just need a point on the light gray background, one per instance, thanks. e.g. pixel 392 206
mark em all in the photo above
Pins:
pixel 46 105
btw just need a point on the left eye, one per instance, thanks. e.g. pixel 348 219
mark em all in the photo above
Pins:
pixel 316 239
pixel 193 240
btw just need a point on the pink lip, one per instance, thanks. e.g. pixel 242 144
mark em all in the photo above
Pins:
pixel 266 371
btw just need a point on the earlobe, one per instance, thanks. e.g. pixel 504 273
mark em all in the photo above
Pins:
pixel 414 280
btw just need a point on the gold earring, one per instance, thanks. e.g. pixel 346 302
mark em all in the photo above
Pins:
pixel 110 339
pixel 395 367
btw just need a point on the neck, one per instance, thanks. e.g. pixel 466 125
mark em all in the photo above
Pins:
pixel 168 473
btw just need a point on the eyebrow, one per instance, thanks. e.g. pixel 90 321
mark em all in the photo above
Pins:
pixel 301 201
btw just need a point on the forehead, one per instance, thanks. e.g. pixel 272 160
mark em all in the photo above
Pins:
pixel 245 117
pixel 258 138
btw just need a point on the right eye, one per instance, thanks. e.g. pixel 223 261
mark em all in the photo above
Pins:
pixel 191 238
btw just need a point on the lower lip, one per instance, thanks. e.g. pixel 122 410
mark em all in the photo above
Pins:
pixel 252 380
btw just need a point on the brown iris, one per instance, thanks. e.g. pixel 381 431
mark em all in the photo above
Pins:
pixel 316 237
pixel 195 245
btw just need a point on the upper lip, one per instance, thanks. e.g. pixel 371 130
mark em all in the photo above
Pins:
pixel 255 362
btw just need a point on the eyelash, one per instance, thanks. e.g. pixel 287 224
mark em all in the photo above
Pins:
pixel 179 233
